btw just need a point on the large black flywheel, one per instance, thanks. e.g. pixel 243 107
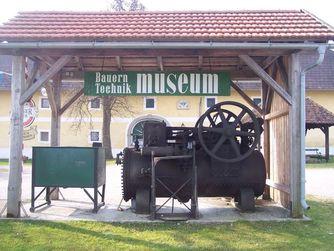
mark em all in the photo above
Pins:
pixel 221 131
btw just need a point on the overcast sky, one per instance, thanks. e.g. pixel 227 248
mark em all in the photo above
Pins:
pixel 320 8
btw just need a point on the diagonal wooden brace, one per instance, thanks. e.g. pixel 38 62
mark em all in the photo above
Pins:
pixel 56 67
pixel 266 78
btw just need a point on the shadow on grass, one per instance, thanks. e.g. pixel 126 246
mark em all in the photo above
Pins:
pixel 316 234
pixel 108 236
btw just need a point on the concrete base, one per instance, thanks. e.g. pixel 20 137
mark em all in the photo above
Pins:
pixel 212 210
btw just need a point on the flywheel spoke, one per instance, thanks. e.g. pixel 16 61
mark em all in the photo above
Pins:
pixel 238 119
pixel 222 117
pixel 214 129
pixel 219 144
pixel 212 122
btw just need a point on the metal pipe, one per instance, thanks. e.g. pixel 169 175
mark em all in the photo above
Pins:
pixel 321 51
pixel 157 45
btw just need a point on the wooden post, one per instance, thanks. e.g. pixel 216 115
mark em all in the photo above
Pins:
pixel 16 138
pixel 266 136
pixel 326 132
pixel 297 136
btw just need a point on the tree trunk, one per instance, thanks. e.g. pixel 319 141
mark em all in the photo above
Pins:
pixel 55 122
pixel 106 140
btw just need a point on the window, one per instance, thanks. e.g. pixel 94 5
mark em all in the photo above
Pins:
pixel 210 101
pixel 94 136
pixel 44 136
pixel 150 103
pixel 44 103
pixel 257 100
pixel 95 103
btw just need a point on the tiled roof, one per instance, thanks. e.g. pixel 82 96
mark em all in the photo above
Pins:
pixel 239 26
pixel 317 114
pixel 322 76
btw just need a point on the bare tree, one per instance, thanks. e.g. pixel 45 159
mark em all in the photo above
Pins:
pixel 112 105
pixel 123 5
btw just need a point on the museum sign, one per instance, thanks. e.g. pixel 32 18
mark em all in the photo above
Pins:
pixel 102 83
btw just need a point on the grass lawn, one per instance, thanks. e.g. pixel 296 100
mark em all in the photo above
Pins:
pixel 3 162
pixel 317 234
pixel 322 164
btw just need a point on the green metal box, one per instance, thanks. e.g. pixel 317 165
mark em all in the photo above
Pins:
pixel 75 167
pixel 69 166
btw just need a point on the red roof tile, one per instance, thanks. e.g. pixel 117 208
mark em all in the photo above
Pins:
pixel 166 26
pixel 317 114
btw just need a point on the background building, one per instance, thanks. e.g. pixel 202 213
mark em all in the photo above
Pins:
pixel 175 111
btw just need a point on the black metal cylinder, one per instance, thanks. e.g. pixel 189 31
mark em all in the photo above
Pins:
pixel 214 178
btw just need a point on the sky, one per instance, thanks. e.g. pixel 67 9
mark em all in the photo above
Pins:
pixel 320 8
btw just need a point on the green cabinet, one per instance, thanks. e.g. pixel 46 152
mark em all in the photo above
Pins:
pixel 68 166
pixel 81 167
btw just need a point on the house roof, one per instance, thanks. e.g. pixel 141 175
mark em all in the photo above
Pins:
pixel 320 77
pixel 260 26
pixel 317 115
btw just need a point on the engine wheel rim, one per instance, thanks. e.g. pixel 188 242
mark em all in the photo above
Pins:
pixel 229 129
pixel 127 194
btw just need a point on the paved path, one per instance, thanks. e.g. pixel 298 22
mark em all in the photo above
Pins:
pixel 77 205
pixel 320 182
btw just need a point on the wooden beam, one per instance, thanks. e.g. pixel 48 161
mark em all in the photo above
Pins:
pixel 32 74
pixel 16 138
pixel 61 62
pixel 119 63
pixel 71 101
pixel 276 114
pixel 266 78
pixel 296 137
pixel 325 130
pixel 200 62
pixel 266 138
pixel 160 63
pixel 327 143
pixel 80 66
pixel 51 97
pixel 268 61
pixel 269 99
pixel 282 71
pixel 47 60
pixel 246 98
pixel 278 186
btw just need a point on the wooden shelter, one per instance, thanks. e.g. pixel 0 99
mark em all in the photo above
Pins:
pixel 319 117
pixel 248 44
